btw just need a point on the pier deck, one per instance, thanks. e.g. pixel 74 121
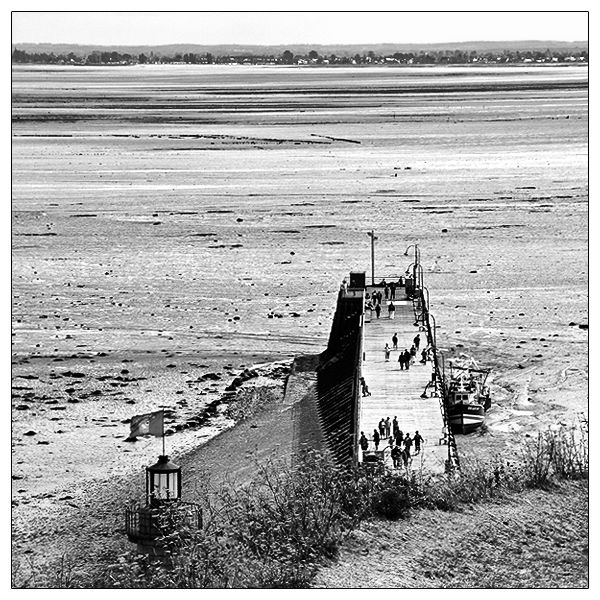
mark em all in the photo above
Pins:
pixel 396 392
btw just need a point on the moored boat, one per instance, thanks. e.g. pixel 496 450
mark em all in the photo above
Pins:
pixel 468 398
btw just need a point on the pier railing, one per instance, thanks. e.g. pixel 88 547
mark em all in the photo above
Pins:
pixel 422 313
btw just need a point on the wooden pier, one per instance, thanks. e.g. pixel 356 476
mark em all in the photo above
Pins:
pixel 399 393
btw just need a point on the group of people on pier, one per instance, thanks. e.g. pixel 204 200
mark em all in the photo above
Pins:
pixel 376 306
pixel 373 301
pixel 406 358
pixel 389 291
pixel 399 444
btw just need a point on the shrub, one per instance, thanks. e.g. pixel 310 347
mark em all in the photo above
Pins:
pixel 392 504
pixel 557 454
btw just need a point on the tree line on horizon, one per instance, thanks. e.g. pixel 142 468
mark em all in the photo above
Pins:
pixel 287 57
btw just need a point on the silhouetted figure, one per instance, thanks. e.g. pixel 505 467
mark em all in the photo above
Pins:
pixel 417 439
pixel 405 457
pixel 395 341
pixel 388 427
pixel 377 310
pixel 364 387
pixel 396 456
pixel 395 426
pixel 417 341
pixel 387 351
pixel 376 439
pixel 399 438
pixel 381 427
pixel 363 442
pixel 391 310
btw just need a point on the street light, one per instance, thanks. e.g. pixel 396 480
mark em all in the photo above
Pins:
pixel 419 270
pixel 433 332
pixel 417 252
pixel 373 237
pixel 427 305
pixel 417 261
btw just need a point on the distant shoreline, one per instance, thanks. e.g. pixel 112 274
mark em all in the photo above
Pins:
pixel 302 66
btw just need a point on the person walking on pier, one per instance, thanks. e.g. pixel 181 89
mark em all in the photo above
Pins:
pixel 395 427
pixel 377 310
pixel 385 289
pixel 388 427
pixel 363 442
pixel 424 355
pixel 391 310
pixel 392 287
pixel 395 341
pixel 412 354
pixel 364 387
pixel 417 439
pixel 417 341
pixel 401 360
pixel 406 355
pixel 376 439
pixel 381 427
pixel 387 351
pixel 408 443
pixel 405 454
pixel 396 456
pixel 399 438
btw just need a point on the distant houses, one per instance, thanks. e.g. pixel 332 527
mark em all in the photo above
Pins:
pixel 430 57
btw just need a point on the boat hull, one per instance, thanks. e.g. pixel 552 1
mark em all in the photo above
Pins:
pixel 465 418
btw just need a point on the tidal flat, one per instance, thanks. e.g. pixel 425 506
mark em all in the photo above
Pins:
pixel 174 225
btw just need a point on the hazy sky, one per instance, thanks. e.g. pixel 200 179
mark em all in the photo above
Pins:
pixel 136 28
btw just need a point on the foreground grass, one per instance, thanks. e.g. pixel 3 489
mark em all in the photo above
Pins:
pixel 529 539
pixel 276 531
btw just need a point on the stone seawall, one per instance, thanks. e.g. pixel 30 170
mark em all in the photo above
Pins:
pixel 325 387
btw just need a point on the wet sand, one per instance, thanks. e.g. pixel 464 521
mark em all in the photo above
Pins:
pixel 179 222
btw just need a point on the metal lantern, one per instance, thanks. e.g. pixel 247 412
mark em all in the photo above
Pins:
pixel 164 513
pixel 163 482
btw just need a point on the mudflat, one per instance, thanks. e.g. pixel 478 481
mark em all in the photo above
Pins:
pixel 173 225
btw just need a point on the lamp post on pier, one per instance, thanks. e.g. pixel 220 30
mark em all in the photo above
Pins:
pixel 433 333
pixel 427 303
pixel 416 263
pixel 373 237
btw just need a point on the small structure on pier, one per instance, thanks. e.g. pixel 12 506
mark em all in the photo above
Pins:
pixel 164 512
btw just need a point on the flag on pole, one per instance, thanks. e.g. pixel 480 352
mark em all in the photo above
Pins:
pixel 148 424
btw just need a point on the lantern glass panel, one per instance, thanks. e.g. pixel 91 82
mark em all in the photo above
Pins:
pixel 165 486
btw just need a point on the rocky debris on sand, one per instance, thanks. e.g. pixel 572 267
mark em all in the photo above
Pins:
pixel 209 376
pixel 245 375
pixel 72 374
